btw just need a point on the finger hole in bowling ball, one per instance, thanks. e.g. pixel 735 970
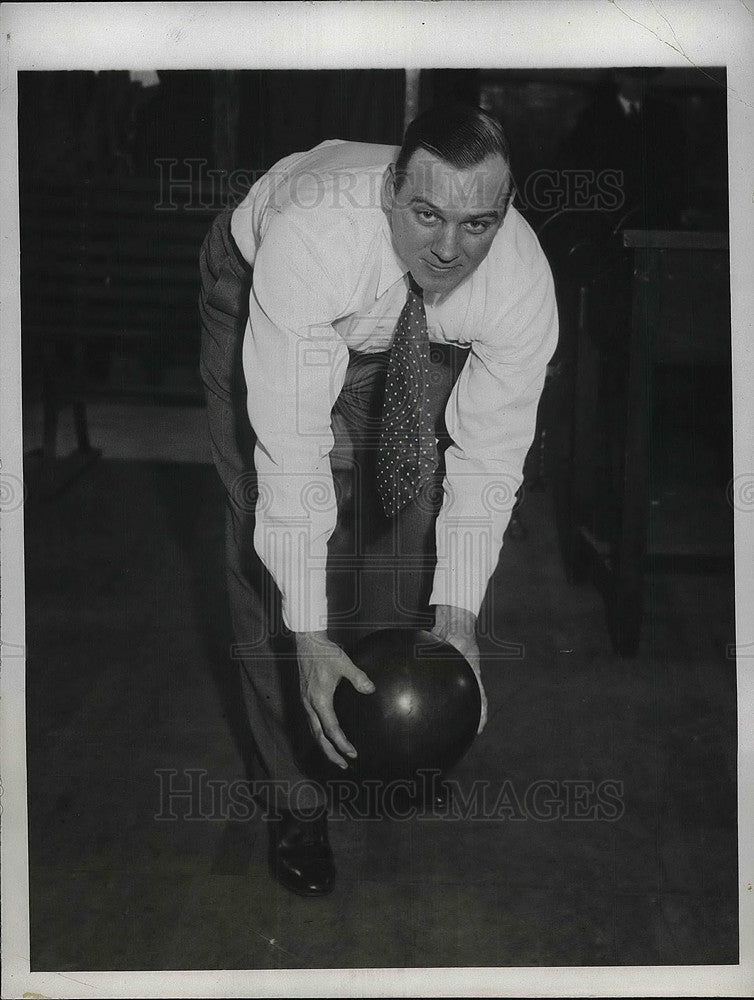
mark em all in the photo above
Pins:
pixel 424 712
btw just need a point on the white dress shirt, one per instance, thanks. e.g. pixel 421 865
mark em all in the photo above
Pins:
pixel 629 107
pixel 326 278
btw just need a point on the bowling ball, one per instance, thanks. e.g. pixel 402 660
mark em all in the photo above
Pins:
pixel 424 713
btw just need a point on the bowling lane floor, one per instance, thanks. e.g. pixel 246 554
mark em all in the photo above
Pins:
pixel 614 841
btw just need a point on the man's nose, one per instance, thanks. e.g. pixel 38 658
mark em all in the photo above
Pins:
pixel 445 246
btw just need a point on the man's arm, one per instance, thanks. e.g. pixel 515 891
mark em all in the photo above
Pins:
pixel 491 418
pixel 295 364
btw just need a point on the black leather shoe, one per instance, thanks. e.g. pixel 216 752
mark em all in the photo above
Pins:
pixel 300 855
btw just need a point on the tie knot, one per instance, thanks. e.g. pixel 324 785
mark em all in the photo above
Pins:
pixel 416 289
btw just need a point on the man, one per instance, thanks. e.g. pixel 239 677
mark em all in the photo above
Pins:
pixel 628 148
pixel 321 292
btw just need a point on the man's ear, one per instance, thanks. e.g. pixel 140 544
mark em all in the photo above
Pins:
pixel 388 191
pixel 512 192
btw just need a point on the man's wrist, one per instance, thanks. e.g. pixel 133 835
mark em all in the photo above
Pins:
pixel 303 637
pixel 453 620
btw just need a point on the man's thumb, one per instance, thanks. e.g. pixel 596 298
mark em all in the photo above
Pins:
pixel 361 682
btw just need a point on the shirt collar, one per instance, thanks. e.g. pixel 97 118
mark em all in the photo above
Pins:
pixel 628 106
pixel 392 269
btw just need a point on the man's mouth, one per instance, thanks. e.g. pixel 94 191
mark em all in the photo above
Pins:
pixel 441 268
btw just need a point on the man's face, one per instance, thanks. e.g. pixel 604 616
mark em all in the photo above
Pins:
pixel 442 219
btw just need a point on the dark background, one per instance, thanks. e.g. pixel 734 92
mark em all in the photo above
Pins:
pixel 218 130
pixel 128 635
pixel 78 125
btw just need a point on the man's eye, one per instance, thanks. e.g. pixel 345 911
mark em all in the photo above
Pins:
pixel 426 215
pixel 477 227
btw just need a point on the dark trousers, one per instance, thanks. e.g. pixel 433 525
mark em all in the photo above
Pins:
pixel 379 571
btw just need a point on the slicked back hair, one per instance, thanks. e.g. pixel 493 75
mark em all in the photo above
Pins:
pixel 459 134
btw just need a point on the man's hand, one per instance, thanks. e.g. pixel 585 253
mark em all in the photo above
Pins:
pixel 458 627
pixel 321 664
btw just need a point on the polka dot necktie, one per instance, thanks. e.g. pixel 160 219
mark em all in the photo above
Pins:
pixel 407 454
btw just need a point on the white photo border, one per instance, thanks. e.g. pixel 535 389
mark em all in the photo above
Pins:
pixel 538 34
